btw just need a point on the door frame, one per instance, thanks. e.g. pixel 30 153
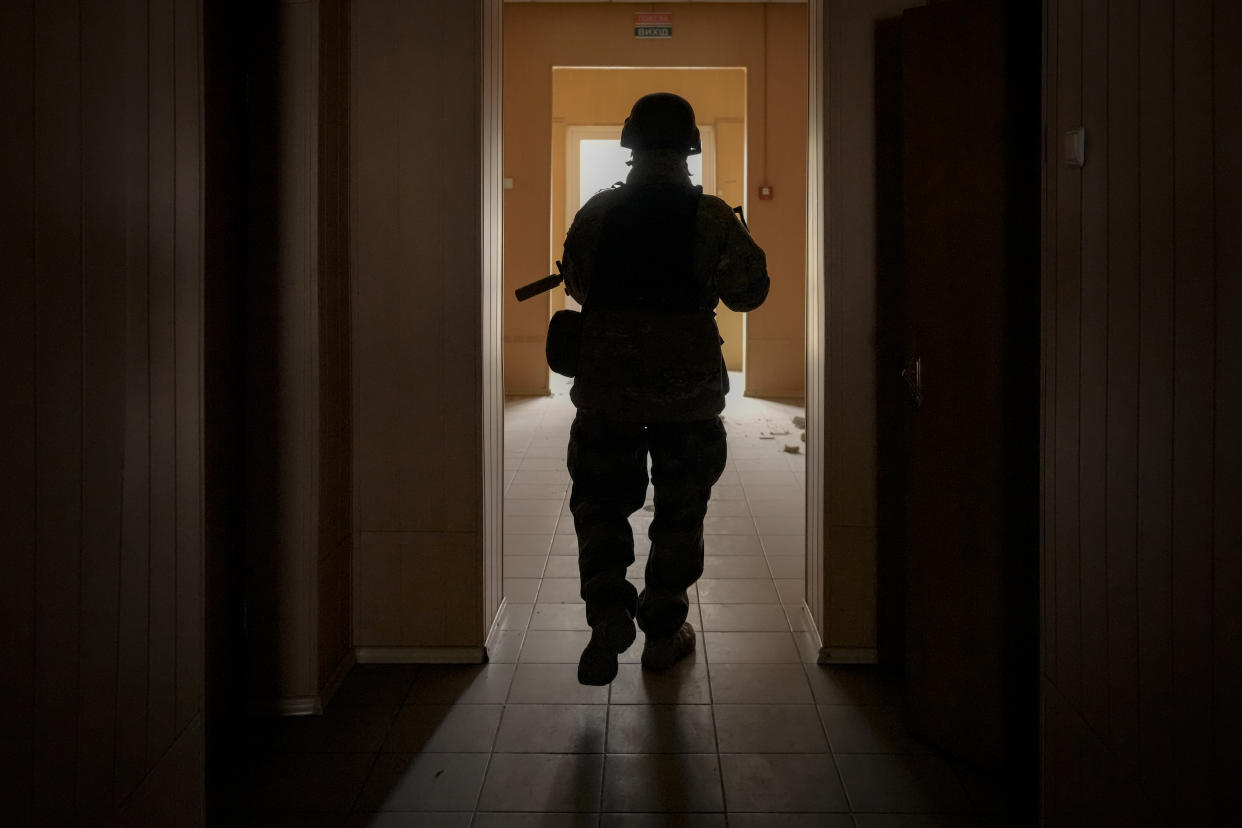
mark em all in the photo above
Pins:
pixel 817 297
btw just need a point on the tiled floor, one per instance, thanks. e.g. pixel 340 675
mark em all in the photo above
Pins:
pixel 749 731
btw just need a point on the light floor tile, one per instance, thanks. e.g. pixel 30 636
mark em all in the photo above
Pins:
pixel 686 682
pixel 733 545
pixel 759 684
pixel 461 684
pixel 856 729
pixel 552 684
pixel 424 782
pixel 533 506
pixel 854 684
pixel 554 646
pixel 527 544
pixel 486 820
pixel 504 646
pixel 524 566
pixel 744 617
pixel 790 590
pixel 309 782
pixel 749 647
pixel 772 782
pixel 787 566
pixel 521 590
pixel 400 819
pixel 562 566
pixel 640 728
pixel 784 545
pixel 768 728
pixel 901 783
pixel 737 820
pixel 433 728
pixel 728 526
pixel 559 617
pixel 662 821
pixel 662 782
pixel 737 591
pixel 543 782
pixel 560 591
pixel 531 524
pixel 780 525
pixel 534 491
pixel 735 566
pixel 552 728
pixel 727 508
pixel 514 616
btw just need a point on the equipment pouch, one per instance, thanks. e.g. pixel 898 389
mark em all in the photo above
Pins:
pixel 564 343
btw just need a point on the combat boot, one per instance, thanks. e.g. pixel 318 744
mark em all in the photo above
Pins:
pixel 662 653
pixel 610 637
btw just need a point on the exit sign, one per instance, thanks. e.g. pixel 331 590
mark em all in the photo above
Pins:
pixel 653 24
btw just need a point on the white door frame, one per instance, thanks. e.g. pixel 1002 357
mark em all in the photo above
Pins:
pixel 817 298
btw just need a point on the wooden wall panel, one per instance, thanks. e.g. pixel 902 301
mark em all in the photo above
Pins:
pixel 1193 427
pixel 103 394
pixel 1227 528
pixel 1093 381
pixel 17 403
pixel 135 525
pixel 1121 507
pixel 99 313
pixel 1068 275
pixel 1155 412
pixel 1143 458
pixel 58 380
pixel 161 252
pixel 187 276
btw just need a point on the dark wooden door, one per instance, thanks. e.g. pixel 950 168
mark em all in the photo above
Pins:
pixel 970 310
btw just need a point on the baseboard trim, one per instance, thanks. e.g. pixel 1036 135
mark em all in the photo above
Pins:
pixel 420 655
pixel 288 706
pixel 848 655
pixel 495 628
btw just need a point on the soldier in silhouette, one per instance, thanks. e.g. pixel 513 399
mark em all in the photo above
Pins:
pixel 648 260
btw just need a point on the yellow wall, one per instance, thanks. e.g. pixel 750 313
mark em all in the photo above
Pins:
pixel 539 37
pixel 604 96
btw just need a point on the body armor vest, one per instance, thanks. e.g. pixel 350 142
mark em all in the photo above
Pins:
pixel 650 349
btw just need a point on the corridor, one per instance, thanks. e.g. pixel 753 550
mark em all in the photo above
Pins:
pixel 748 731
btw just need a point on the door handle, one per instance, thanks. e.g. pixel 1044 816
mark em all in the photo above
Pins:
pixel 913 375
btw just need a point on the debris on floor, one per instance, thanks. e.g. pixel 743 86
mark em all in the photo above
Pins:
pixel 794 448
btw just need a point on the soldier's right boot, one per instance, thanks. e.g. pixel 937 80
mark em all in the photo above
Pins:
pixel 662 653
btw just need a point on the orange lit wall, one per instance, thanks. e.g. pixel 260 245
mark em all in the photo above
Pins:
pixel 769 42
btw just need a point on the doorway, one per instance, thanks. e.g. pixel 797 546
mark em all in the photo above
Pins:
pixel 752 115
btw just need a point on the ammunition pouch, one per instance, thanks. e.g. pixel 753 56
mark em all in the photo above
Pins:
pixel 564 342
pixel 642 364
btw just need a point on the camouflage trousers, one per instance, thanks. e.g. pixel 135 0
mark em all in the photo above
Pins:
pixel 608 464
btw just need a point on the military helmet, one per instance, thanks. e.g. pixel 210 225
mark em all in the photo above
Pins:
pixel 661 120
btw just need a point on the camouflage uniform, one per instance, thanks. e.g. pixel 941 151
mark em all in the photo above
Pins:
pixel 649 260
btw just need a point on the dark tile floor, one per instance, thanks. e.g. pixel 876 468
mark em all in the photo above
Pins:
pixel 748 731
